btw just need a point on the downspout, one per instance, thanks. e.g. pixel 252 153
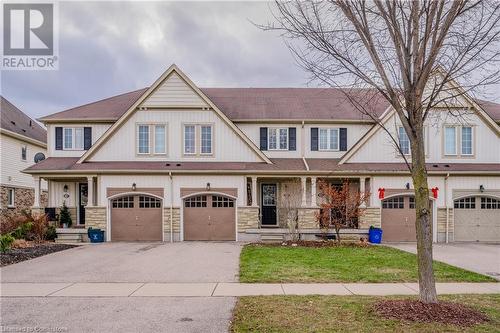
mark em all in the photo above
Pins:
pixel 446 204
pixel 171 206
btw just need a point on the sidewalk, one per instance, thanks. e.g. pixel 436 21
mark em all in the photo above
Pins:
pixel 231 289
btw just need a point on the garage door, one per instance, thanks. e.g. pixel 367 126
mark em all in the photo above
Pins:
pixel 209 217
pixel 398 219
pixel 136 218
pixel 477 219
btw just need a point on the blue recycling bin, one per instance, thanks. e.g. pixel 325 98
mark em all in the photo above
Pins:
pixel 96 235
pixel 375 235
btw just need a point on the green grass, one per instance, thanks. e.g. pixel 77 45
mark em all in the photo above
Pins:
pixel 345 314
pixel 268 263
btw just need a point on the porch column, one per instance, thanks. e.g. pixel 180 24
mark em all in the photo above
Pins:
pixel 362 181
pixel 313 192
pixel 90 191
pixel 254 192
pixel 36 203
pixel 303 181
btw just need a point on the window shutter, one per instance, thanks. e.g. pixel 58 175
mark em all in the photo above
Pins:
pixel 263 138
pixel 292 138
pixel 314 139
pixel 343 139
pixel 59 138
pixel 87 138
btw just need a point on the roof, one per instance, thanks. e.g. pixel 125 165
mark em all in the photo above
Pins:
pixel 14 120
pixel 296 165
pixel 491 108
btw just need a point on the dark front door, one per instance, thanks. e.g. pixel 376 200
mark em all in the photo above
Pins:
pixel 82 201
pixel 268 195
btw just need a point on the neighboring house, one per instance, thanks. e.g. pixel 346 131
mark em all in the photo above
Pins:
pixel 21 139
pixel 174 161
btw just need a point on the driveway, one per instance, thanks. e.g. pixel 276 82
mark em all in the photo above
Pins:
pixel 132 262
pixel 477 257
pixel 124 262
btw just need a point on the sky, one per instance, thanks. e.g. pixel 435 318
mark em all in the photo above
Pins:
pixel 108 48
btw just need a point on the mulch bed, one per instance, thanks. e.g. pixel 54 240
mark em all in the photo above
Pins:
pixel 442 312
pixel 14 256
pixel 328 243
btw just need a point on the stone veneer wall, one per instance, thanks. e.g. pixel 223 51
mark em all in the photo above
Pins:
pixel 307 218
pixel 248 218
pixel 441 224
pixel 176 223
pixel 23 200
pixel 95 217
pixel 371 217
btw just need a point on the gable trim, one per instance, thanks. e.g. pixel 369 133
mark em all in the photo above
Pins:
pixel 173 68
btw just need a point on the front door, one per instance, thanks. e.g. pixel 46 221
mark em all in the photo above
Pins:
pixel 82 202
pixel 268 197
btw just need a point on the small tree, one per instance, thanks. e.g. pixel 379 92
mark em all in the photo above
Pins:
pixel 65 216
pixel 291 200
pixel 340 206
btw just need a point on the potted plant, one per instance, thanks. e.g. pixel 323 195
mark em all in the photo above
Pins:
pixel 65 217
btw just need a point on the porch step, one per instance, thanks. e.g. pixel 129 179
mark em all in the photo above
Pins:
pixel 272 238
pixel 69 235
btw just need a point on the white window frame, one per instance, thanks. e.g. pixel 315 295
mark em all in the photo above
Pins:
pixel 456 140
pixel 73 138
pixel 11 197
pixel 277 131
pixel 328 138
pixel 165 140
pixel 184 140
pixel 399 141
pixel 211 139
pixel 471 141
pixel 138 150
pixel 24 151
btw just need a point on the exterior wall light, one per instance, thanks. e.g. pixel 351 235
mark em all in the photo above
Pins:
pixel 208 187
pixel 481 188
pixel 134 187
pixel 65 188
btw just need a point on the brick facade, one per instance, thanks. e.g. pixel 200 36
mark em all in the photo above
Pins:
pixel 371 217
pixel 23 200
pixel 95 217
pixel 248 218
pixel 176 223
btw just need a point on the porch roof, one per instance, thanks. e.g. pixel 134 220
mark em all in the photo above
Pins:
pixel 280 165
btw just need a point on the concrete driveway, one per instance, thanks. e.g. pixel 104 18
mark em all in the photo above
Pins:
pixel 132 262
pixel 482 258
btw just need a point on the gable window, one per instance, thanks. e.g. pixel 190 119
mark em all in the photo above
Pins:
pixel 328 139
pixel 24 150
pixel 278 138
pixel 404 141
pixel 198 139
pixel 206 139
pixel 73 138
pixel 450 140
pixel 160 139
pixel 143 139
pixel 11 197
pixel 466 142
pixel 189 139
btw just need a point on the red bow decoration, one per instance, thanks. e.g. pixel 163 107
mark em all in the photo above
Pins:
pixel 381 193
pixel 435 192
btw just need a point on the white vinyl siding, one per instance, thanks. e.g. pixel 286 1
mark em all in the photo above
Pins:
pixel 189 139
pixel 329 139
pixel 143 139
pixel 404 141
pixel 73 138
pixel 466 141
pixel 278 138
pixel 160 139
pixel 206 139
pixel 450 140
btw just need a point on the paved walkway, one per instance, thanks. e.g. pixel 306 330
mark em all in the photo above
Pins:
pixel 224 289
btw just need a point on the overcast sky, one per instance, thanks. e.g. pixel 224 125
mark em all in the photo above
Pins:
pixel 107 48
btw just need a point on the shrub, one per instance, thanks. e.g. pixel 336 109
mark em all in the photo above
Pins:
pixel 40 227
pixel 65 216
pixel 23 231
pixel 20 244
pixel 6 241
pixel 12 223
pixel 51 233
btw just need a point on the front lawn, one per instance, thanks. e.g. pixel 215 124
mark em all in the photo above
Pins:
pixel 346 314
pixel 272 263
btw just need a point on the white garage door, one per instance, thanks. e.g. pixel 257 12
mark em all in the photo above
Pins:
pixel 477 219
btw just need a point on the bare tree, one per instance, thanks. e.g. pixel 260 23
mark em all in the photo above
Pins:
pixel 411 54
pixel 290 202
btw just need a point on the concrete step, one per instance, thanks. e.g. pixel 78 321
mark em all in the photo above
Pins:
pixel 272 238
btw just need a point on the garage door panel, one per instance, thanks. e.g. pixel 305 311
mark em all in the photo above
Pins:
pixel 477 219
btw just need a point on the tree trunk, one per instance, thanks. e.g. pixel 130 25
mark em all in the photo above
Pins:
pixel 423 223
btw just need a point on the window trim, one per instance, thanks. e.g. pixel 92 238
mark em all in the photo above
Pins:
pixel 471 141
pixel 198 139
pixel 151 139
pixel 138 126
pixel 211 139
pixel 445 153
pixel 11 203
pixel 24 153
pixel 73 138
pixel 195 153
pixel 278 129
pixel 409 145
pixel 328 138
pixel 165 139
pixel 458 142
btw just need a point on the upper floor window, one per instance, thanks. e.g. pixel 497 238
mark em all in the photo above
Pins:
pixel 73 138
pixel 152 139
pixel 278 138
pixel 328 139
pixel 458 140
pixel 160 139
pixel 404 141
pixel 24 150
pixel 198 139
pixel 450 140
pixel 466 140
pixel 143 139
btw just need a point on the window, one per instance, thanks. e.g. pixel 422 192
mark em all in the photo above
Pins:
pixel 490 203
pixel 24 150
pixel 123 202
pixel 206 139
pixel 394 203
pixel 278 139
pixel 149 202
pixel 189 139
pixel 220 201
pixel 466 140
pixel 412 202
pixel 160 139
pixel 196 202
pixel 450 140
pixel 73 138
pixel 465 203
pixel 328 139
pixel 11 197
pixel 404 141
pixel 143 139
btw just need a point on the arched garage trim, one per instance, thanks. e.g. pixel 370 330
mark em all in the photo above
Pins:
pixel 409 194
pixel 209 193
pixel 485 195
pixel 131 193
